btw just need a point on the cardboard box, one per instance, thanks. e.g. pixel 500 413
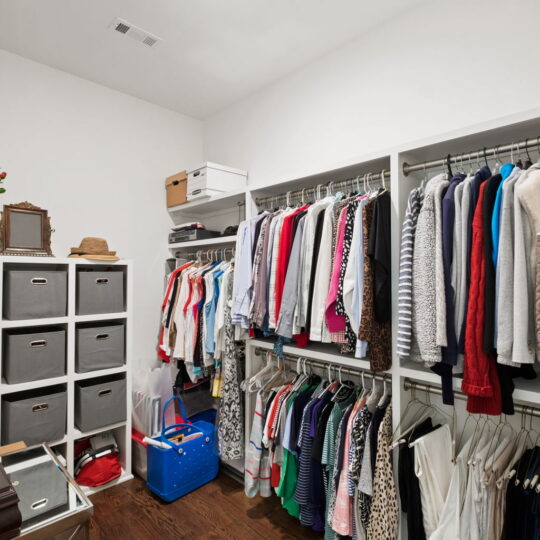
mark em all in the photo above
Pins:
pixel 176 186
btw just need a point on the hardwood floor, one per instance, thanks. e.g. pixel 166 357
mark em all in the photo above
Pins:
pixel 218 510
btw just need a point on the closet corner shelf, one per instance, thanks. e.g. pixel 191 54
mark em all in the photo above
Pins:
pixel 6 388
pixel 78 434
pixel 209 204
pixel 99 373
pixel 315 352
pixel 207 242
pixel 124 477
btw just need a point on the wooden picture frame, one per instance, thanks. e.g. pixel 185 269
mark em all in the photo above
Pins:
pixel 25 229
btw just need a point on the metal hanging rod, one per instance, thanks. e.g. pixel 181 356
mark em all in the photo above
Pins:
pixel 323 365
pixel 408 384
pixel 468 157
pixel 303 195
pixel 211 254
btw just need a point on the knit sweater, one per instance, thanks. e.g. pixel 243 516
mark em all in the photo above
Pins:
pixel 405 272
pixel 529 196
pixel 538 296
pixel 427 259
pixel 505 275
pixel 524 349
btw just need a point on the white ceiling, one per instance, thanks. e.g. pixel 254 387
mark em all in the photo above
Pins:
pixel 213 53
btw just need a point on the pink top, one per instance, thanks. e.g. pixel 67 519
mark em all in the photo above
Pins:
pixel 343 515
pixel 335 322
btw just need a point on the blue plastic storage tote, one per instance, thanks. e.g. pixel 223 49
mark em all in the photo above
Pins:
pixel 183 467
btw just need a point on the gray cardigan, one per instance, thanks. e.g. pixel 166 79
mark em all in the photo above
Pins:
pixel 426 252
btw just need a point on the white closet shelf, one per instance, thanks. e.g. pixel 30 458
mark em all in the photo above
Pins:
pixel 418 372
pixel 78 434
pixel 100 317
pixel 219 240
pixel 100 373
pixel 124 477
pixel 319 351
pixel 31 385
pixel 209 205
pixel 526 391
pixel 21 323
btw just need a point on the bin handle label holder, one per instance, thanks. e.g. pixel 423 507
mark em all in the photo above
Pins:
pixel 40 407
pixel 105 392
pixel 39 281
pixel 101 337
pixel 37 343
pixel 39 504
pixel 102 281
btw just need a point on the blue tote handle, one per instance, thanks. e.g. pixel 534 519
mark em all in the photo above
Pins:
pixel 182 412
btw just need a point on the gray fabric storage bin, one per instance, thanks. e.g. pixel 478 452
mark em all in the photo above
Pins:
pixel 99 347
pixel 34 294
pixel 100 292
pixel 41 488
pixel 34 417
pixel 100 402
pixel 34 356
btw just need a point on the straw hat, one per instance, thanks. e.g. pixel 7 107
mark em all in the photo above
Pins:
pixel 95 249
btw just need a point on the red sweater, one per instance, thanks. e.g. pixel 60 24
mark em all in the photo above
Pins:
pixel 285 246
pixel 480 379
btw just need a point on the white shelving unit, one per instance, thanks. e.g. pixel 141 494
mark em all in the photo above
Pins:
pixel 207 243
pixel 121 430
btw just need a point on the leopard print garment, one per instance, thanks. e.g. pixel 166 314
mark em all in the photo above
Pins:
pixel 376 333
pixel 384 519
pixel 231 414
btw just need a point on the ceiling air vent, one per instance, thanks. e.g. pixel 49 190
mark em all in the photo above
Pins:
pixel 134 32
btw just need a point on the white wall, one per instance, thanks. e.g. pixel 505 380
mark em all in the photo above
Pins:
pixel 439 67
pixel 97 160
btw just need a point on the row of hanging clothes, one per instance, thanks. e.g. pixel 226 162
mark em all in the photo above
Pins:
pixel 469 269
pixel 481 485
pixel 197 332
pixel 319 272
pixel 323 445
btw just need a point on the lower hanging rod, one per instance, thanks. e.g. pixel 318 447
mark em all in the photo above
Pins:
pixel 469 157
pixel 301 195
pixel 408 384
pixel 324 365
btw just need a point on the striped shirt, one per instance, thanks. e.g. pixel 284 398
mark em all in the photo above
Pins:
pixel 405 272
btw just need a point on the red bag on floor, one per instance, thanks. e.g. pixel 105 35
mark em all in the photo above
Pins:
pixel 100 471
pixel 95 467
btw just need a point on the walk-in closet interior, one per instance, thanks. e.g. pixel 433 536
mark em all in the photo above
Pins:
pixel 269 270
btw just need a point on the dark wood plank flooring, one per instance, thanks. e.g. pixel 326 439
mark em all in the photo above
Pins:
pixel 218 510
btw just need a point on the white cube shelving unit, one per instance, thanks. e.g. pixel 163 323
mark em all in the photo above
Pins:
pixel 122 430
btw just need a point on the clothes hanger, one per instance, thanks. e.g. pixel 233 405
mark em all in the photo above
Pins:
pixel 425 179
pixel 383 182
pixel 443 414
pixel 385 395
pixel 413 402
pixel 254 382
pixel 495 442
pixel 497 164
pixel 528 163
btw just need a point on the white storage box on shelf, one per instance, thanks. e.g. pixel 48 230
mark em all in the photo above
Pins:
pixel 212 179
